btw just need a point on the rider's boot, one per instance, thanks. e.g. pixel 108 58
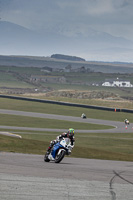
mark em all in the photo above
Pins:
pixel 49 148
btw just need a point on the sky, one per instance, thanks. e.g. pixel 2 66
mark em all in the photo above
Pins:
pixel 71 17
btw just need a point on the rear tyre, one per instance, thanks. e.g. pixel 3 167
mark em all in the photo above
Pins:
pixel 59 157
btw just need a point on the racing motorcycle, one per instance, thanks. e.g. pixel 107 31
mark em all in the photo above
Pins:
pixel 58 151
pixel 83 116
pixel 127 122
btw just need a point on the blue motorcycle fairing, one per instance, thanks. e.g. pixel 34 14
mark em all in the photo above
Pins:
pixel 55 148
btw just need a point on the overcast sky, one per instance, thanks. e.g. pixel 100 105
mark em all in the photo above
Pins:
pixel 71 16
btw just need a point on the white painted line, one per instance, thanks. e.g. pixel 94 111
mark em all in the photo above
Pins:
pixel 10 134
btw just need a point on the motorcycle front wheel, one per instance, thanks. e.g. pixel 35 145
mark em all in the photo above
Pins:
pixel 46 159
pixel 59 157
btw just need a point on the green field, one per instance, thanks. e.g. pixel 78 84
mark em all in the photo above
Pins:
pixel 33 122
pixel 12 77
pixel 63 110
pixel 108 146
pixel 89 145
pixel 16 81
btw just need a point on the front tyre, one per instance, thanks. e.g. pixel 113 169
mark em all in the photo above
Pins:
pixel 60 156
pixel 46 159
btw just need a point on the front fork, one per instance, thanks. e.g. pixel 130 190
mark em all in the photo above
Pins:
pixel 50 157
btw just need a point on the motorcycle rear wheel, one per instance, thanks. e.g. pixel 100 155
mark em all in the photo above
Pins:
pixel 59 157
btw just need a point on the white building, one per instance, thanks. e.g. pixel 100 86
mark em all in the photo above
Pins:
pixel 117 83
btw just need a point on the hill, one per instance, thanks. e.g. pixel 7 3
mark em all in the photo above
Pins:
pixel 66 57
pixel 37 61
pixel 96 46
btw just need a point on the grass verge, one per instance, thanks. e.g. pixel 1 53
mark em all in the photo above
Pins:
pixel 116 146
pixel 108 146
pixel 29 106
pixel 23 121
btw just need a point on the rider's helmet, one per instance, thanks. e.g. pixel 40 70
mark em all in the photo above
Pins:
pixel 70 132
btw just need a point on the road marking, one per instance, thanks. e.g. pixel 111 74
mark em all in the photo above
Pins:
pixel 10 134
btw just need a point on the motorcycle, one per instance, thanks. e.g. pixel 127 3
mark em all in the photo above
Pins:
pixel 83 116
pixel 127 122
pixel 58 151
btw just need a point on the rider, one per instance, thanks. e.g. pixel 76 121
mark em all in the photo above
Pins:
pixel 83 115
pixel 126 121
pixel 69 134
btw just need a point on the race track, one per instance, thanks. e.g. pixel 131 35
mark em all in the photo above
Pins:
pixel 28 177
pixel 117 127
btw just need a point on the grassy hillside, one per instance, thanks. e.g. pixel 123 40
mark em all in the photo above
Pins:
pixel 79 87
pixel 35 61
pixel 17 80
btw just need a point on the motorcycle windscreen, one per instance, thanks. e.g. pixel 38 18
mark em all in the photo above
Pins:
pixel 67 140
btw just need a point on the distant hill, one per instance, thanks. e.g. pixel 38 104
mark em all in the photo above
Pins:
pixel 66 57
pixel 94 46
pixel 36 61
pixel 18 40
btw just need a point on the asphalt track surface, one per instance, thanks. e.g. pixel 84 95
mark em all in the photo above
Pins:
pixel 28 177
pixel 117 127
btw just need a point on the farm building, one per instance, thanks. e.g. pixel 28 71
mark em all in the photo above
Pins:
pixel 48 79
pixel 117 83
